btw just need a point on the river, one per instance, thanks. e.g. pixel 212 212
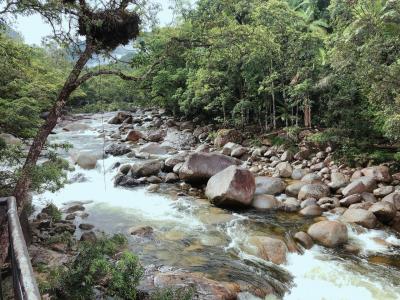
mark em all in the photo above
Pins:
pixel 192 234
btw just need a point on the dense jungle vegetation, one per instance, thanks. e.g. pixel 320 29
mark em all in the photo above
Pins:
pixel 272 64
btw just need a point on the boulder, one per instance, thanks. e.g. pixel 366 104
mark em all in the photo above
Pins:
pixel 181 140
pixel 9 139
pixel 229 147
pixel 172 161
pixel 304 239
pixel 287 156
pixel 294 188
pixel 171 178
pixel 155 136
pixel 154 148
pixel 134 135
pixel 329 233
pixel 359 216
pixel 298 174
pixel 119 118
pixel 117 149
pixel 225 136
pixel 199 167
pixel 311 178
pixel 393 198
pixel 311 211
pixel 238 152
pixel 147 168
pixel 338 180
pixel 355 187
pixel 290 204
pixel 349 200
pixel 232 186
pixel 269 185
pixel 314 190
pixel 86 160
pixel 383 191
pixel 378 173
pixel 384 211
pixel 271 249
pixel 284 169
pixel 265 202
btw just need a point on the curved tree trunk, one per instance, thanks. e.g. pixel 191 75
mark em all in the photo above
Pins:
pixel 24 181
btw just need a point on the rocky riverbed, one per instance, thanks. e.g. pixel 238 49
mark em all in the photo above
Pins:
pixel 233 220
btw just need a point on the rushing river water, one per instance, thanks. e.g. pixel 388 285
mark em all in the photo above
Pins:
pixel 192 234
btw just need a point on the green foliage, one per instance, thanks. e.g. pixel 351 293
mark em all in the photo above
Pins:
pixel 98 263
pixel 53 212
pixel 173 294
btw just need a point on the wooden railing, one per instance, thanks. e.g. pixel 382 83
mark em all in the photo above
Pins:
pixel 24 282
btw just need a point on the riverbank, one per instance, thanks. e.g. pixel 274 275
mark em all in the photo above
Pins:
pixel 153 183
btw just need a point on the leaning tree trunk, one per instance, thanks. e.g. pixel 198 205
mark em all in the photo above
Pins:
pixel 24 181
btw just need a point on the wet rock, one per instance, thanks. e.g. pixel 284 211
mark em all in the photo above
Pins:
pixel 171 178
pixel 154 179
pixel 77 178
pixel 270 249
pixel 349 200
pixel 290 205
pixel 316 190
pixel 265 202
pixel 117 149
pixel 328 233
pixel 85 226
pixel 119 118
pixel 134 135
pixel 125 181
pixel 172 161
pixel 125 169
pixel 86 160
pixel 153 188
pixel 269 185
pixel 199 167
pixel 154 148
pixel 225 136
pixel 73 208
pixel 359 216
pixel 384 211
pixel 162 278
pixel 304 239
pixel 284 169
pixel 378 173
pixel 338 180
pixel 144 231
pixel 70 217
pixel 298 174
pixel 383 191
pixel 393 198
pixel 294 188
pixel 308 202
pixel 362 205
pixel 231 187
pixel 88 237
pixel 311 211
pixel 147 168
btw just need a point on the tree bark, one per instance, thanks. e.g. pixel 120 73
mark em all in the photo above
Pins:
pixel 24 181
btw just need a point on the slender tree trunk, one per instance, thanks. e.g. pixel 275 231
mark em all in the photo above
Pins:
pixel 307 113
pixel 273 106
pixel 24 181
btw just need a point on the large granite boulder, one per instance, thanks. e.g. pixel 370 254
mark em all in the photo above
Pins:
pixel 200 166
pixel 269 185
pixel 328 233
pixel 233 186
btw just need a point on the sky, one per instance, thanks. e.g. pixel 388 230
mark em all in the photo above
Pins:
pixel 33 28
